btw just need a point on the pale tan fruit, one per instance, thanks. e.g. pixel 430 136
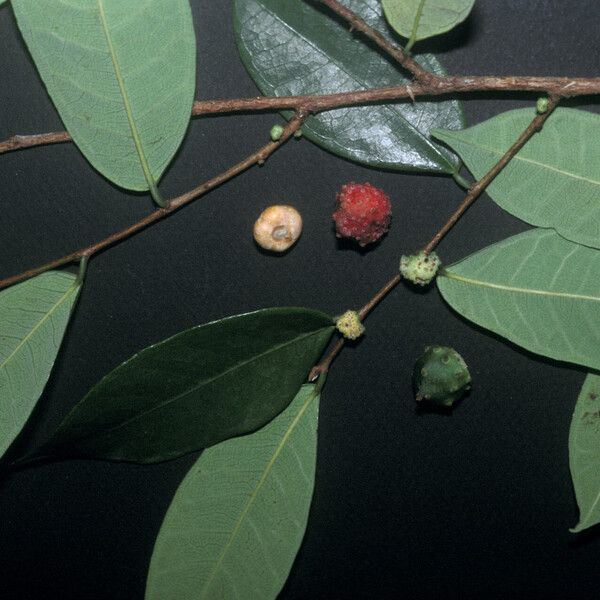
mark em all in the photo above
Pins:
pixel 278 228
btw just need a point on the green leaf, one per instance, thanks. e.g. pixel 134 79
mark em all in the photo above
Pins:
pixel 200 387
pixel 537 289
pixel 291 47
pixel 554 180
pixel 584 453
pixel 33 318
pixel 121 75
pixel 237 520
pixel 420 19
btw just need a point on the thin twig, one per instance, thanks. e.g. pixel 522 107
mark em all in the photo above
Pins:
pixel 425 84
pixel 18 142
pixel 478 187
pixel 440 86
pixel 396 52
pixel 323 366
pixel 415 28
pixel 474 192
pixel 257 157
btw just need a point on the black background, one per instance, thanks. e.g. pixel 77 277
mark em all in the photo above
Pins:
pixel 475 504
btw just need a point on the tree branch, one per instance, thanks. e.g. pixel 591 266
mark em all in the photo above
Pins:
pixel 425 84
pixel 477 188
pixel 257 157
pixel 323 366
pixel 398 54
pixel 474 192
pixel 563 87
pixel 18 142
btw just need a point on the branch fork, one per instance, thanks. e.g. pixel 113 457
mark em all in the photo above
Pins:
pixel 423 84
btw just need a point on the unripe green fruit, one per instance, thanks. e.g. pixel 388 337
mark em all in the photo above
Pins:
pixel 349 325
pixel 276 132
pixel 420 268
pixel 441 376
pixel 541 106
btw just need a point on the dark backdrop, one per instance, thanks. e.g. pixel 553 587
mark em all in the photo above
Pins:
pixel 476 504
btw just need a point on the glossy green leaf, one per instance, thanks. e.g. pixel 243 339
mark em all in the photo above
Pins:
pixel 293 47
pixel 200 387
pixel 537 289
pixel 584 453
pixel 33 318
pixel 420 19
pixel 554 181
pixel 237 520
pixel 121 75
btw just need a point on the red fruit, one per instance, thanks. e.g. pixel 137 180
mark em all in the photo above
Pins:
pixel 363 212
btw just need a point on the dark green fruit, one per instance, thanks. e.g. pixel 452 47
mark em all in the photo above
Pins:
pixel 441 376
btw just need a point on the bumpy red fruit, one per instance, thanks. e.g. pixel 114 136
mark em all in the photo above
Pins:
pixel 363 212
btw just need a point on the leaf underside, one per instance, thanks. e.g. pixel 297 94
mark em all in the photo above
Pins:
pixel 425 17
pixel 33 319
pixel 537 289
pixel 238 518
pixel 121 75
pixel 584 453
pixel 553 181
pixel 291 47
pixel 193 390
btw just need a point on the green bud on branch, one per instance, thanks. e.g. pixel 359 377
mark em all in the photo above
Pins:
pixel 420 268
pixel 276 132
pixel 349 325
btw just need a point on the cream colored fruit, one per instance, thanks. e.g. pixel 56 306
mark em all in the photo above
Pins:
pixel 278 228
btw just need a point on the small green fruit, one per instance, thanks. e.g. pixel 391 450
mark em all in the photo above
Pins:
pixel 349 325
pixel 420 268
pixel 541 106
pixel 441 376
pixel 276 132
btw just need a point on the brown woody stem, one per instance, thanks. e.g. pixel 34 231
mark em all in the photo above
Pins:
pixel 474 192
pixel 479 186
pixel 437 86
pixel 425 84
pixel 396 52
pixel 175 204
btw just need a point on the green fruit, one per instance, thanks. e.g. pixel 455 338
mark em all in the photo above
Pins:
pixel 276 132
pixel 441 376
pixel 420 268
pixel 541 106
pixel 349 325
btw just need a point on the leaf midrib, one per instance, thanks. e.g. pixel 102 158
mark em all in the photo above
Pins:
pixel 417 20
pixel 508 288
pixel 74 286
pixel 250 502
pixel 519 157
pixel 123 91
pixel 201 384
